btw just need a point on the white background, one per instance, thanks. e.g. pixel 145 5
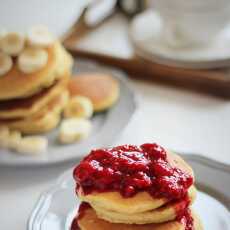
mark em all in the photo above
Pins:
pixel 183 121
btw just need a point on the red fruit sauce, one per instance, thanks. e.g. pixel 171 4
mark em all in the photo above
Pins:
pixel 184 213
pixel 81 211
pixel 130 169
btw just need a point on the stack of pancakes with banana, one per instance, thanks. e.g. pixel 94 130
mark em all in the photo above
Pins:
pixel 135 188
pixel 34 74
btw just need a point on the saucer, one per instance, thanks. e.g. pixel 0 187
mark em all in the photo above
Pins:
pixel 146 36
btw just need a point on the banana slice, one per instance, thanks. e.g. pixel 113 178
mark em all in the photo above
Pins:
pixel 14 139
pixel 2 34
pixel 74 129
pixel 4 137
pixel 40 36
pixel 12 43
pixel 6 63
pixel 32 60
pixel 32 145
pixel 79 106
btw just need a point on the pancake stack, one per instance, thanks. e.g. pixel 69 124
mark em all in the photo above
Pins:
pixel 135 187
pixel 33 91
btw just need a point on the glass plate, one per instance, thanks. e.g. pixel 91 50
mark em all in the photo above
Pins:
pixel 57 207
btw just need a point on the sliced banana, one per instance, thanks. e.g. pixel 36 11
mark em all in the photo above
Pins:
pixel 79 106
pixel 40 36
pixel 32 145
pixel 6 63
pixel 4 137
pixel 12 43
pixel 32 60
pixel 74 129
pixel 14 139
pixel 2 34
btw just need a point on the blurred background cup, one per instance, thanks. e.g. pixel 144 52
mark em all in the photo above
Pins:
pixel 193 22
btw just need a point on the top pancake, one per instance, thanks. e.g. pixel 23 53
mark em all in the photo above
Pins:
pixel 16 84
pixel 141 202
pixel 101 89
pixel 162 214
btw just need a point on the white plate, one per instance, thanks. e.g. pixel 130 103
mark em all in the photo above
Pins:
pixel 106 127
pixel 145 34
pixel 56 207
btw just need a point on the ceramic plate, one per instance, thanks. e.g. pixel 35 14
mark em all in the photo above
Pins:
pixel 106 126
pixel 145 34
pixel 57 207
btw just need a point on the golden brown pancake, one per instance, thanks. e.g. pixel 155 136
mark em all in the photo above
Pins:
pixel 46 119
pixel 90 221
pixel 25 107
pixel 101 89
pixel 113 201
pixel 16 84
pixel 162 214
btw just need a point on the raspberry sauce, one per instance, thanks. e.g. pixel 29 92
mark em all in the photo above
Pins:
pixel 186 219
pixel 129 169
pixel 81 211
pixel 184 214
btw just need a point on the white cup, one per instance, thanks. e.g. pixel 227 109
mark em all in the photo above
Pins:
pixel 192 22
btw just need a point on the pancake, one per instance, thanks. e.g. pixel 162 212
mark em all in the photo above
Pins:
pixel 90 221
pixel 162 214
pixel 20 108
pixel 46 119
pixel 101 89
pixel 178 162
pixel 141 202
pixel 113 201
pixel 16 84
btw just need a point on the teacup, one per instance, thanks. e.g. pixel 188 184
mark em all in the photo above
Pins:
pixel 193 22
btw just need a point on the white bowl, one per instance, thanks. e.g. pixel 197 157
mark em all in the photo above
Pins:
pixel 59 15
pixel 194 21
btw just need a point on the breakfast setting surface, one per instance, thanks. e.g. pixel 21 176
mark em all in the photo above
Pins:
pixel 114 114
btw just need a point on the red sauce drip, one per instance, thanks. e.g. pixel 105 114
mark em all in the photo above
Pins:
pixel 184 214
pixel 81 211
pixel 130 169
pixel 186 219
pixel 74 225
